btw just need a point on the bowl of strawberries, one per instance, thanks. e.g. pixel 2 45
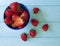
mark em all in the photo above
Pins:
pixel 16 16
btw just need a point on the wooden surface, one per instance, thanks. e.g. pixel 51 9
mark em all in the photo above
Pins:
pixel 50 13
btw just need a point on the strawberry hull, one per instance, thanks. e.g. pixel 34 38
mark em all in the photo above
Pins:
pixel 25 8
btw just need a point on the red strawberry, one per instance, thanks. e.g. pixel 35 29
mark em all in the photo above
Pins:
pixel 9 12
pixel 21 26
pixel 24 15
pixel 32 33
pixel 45 27
pixel 36 10
pixel 24 37
pixel 8 20
pixel 14 6
pixel 15 16
pixel 34 22
pixel 21 11
pixel 19 21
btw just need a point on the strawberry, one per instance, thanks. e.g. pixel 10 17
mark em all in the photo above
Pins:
pixel 24 15
pixel 8 20
pixel 15 16
pixel 34 22
pixel 45 27
pixel 13 25
pixel 24 37
pixel 19 21
pixel 15 6
pixel 21 26
pixel 21 11
pixel 9 12
pixel 36 10
pixel 32 33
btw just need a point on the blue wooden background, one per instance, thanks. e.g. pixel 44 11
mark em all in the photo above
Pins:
pixel 50 13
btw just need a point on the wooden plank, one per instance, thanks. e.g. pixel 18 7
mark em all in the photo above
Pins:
pixel 30 42
pixel 31 2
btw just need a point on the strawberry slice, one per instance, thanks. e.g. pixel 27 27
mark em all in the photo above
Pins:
pixel 15 16
pixel 14 6
pixel 19 21
pixel 36 10
pixel 34 22
pixel 21 26
pixel 32 33
pixel 9 12
pixel 24 36
pixel 24 15
pixel 45 27
pixel 13 25
pixel 8 20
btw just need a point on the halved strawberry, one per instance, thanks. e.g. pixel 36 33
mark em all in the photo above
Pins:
pixel 45 27
pixel 15 16
pixel 36 10
pixel 8 20
pixel 13 25
pixel 24 15
pixel 34 22
pixel 21 26
pixel 19 21
pixel 15 6
pixel 24 36
pixel 32 33
pixel 9 12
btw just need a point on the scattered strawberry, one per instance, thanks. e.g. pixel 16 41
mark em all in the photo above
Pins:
pixel 24 37
pixel 34 22
pixel 15 16
pixel 36 10
pixel 19 21
pixel 32 33
pixel 45 27
pixel 9 12
pixel 8 20
pixel 15 6
pixel 25 15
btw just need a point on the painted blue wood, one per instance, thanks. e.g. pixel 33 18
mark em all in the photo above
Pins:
pixel 50 13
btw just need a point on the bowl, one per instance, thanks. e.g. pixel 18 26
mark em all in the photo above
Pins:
pixel 16 28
